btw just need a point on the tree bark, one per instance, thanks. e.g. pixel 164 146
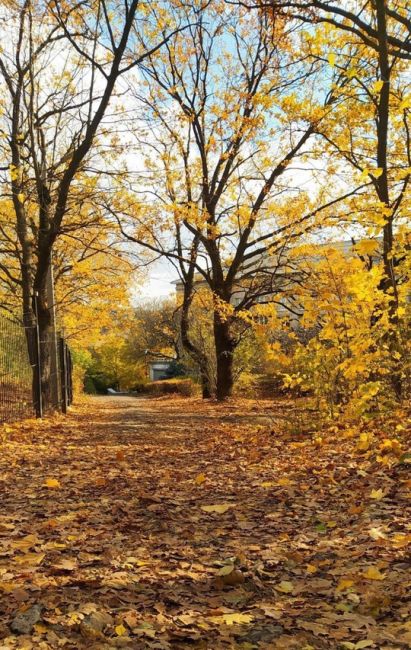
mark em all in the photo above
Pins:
pixel 45 333
pixel 389 283
pixel 206 387
pixel 225 346
pixel 197 355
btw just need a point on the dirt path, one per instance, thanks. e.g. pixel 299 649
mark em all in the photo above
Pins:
pixel 169 524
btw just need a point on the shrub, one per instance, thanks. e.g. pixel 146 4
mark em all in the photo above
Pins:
pixel 185 387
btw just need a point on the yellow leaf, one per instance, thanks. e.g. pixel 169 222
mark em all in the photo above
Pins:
pixel 376 533
pixel 231 619
pixel 372 573
pixel 40 628
pixel 331 58
pixel 52 483
pixel 25 543
pixel 365 643
pixel 30 559
pixel 75 617
pixel 345 583
pixel 7 587
pixel 364 442
pixel 377 172
pixel 406 103
pixel 226 570
pixel 401 540
pixel 14 172
pixel 20 198
pixel 377 494
pixel 66 565
pixel 285 587
pixel 220 508
pixel 284 481
pixel 377 86
pixel 120 630
pixel 311 568
pixel 200 479
pixel 367 247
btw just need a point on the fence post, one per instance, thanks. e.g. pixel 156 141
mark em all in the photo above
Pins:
pixel 69 376
pixel 63 374
pixel 37 394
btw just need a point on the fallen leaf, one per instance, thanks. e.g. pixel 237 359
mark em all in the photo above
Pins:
pixel 52 483
pixel 284 481
pixel 30 559
pixel 376 533
pixel 373 573
pixel 232 619
pixel 285 587
pixel 219 508
pixel 344 583
pixel 311 568
pixel 66 565
pixel 226 570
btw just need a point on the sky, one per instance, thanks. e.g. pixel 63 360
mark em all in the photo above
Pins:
pixel 157 285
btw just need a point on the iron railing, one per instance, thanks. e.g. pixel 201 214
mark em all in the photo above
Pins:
pixel 16 372
pixel 20 371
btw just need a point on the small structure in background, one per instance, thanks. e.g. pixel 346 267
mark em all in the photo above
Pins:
pixel 160 369
pixel 160 366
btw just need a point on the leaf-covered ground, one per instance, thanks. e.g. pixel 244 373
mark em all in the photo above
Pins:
pixel 171 524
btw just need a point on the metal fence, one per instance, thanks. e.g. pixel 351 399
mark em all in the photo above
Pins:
pixel 20 354
pixel 16 372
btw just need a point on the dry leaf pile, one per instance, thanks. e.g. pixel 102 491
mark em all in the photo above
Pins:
pixel 172 524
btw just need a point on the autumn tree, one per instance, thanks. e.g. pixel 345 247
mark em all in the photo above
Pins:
pixel 375 23
pixel 224 116
pixel 368 47
pixel 59 69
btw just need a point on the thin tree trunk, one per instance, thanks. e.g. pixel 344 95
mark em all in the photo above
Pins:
pixel 389 284
pixel 207 388
pixel 197 355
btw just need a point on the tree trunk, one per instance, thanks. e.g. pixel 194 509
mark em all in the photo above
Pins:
pixel 207 388
pixel 197 355
pixel 45 334
pixel 43 290
pixel 389 283
pixel 224 346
